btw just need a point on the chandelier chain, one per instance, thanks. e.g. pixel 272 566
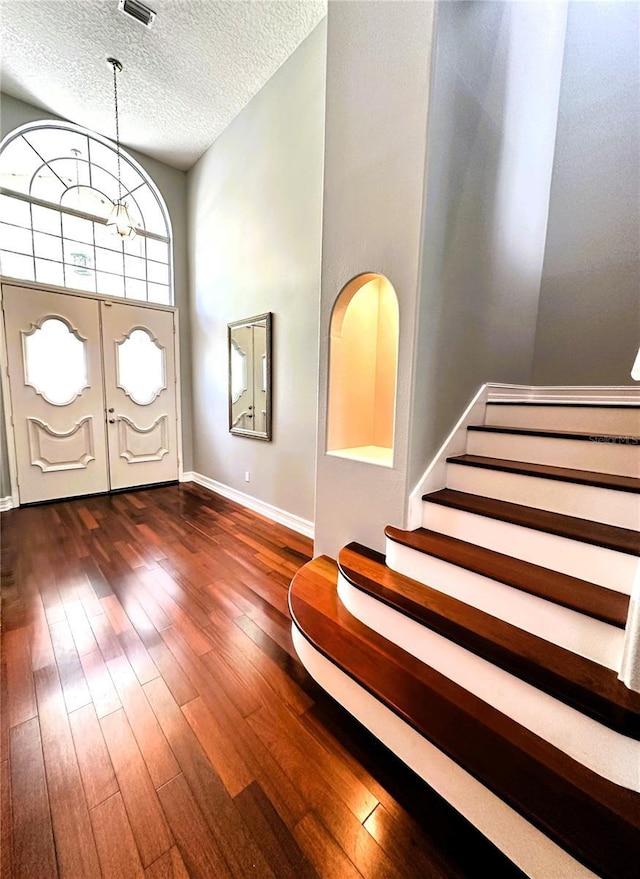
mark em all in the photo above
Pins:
pixel 116 66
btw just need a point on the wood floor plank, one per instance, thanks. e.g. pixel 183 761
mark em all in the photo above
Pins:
pixel 75 846
pixel 6 855
pixel 21 699
pixel 33 850
pixel 157 754
pixel 103 693
pixel 83 636
pixel 181 687
pixel 278 786
pixel 235 842
pixel 95 765
pixel 146 817
pixel 220 750
pixel 129 640
pixel 106 637
pixel 116 846
pixel 197 846
pixel 401 840
pixel 323 851
pixel 40 646
pixel 274 838
pixel 74 685
pixel 169 866
pixel 318 773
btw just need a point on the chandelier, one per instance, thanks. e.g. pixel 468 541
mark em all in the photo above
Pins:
pixel 119 219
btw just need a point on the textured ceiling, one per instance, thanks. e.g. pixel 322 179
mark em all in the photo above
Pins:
pixel 183 81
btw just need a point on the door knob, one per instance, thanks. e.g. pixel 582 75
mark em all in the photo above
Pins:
pixel 111 410
pixel 112 421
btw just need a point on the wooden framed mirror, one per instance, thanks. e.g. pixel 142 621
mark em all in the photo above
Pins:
pixel 249 343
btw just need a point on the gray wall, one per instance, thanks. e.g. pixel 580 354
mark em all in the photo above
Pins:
pixel 172 185
pixel 255 208
pixel 378 60
pixel 589 318
pixel 492 124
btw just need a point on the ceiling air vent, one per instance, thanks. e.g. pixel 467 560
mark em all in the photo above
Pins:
pixel 137 10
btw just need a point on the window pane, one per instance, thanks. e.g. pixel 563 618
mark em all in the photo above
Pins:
pixel 12 210
pixel 47 186
pixel 140 367
pixel 14 265
pixel 105 182
pixel 16 239
pixel 136 289
pixel 110 285
pixel 134 267
pixel 79 230
pixel 47 246
pixel 134 246
pixel 105 237
pixel 17 164
pixel 49 272
pixel 80 281
pixel 131 177
pixel 159 293
pixel 109 261
pixel 158 273
pixel 150 210
pixel 80 256
pixel 157 250
pixel 46 220
pixel 55 362
pixel 87 200
pixel 52 142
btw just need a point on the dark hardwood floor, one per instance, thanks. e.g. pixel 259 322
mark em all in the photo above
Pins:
pixel 156 722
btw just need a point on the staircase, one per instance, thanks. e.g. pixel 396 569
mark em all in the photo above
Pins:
pixel 484 648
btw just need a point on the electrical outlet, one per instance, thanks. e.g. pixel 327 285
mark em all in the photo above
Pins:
pixel 247 476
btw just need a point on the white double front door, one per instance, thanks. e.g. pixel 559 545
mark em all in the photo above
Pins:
pixel 93 393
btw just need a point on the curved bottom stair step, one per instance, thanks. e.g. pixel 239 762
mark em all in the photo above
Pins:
pixel 596 821
pixel 576 681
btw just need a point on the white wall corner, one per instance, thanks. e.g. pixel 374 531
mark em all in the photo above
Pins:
pixel 434 476
pixel 282 517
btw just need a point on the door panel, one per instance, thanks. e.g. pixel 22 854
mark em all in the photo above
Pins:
pixel 55 370
pixel 140 388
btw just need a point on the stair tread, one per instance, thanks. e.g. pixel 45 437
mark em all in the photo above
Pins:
pixel 579 682
pixel 607 536
pixel 596 820
pixel 587 404
pixel 586 436
pixel 548 471
pixel 571 592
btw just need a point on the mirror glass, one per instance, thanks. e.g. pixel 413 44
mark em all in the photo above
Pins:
pixel 250 377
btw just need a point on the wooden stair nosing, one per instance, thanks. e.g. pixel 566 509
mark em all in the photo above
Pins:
pixel 597 821
pixel 606 536
pixel 573 593
pixel 587 404
pixel 614 439
pixel 579 682
pixel 611 481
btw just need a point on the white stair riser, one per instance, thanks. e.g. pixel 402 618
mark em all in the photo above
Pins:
pixel 620 458
pixel 619 508
pixel 612 420
pixel 574 631
pixel 608 753
pixel 595 564
pixel 536 855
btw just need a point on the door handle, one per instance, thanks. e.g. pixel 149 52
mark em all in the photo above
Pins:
pixel 112 421
pixel 111 410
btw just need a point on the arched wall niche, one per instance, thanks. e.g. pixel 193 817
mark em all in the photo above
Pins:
pixel 363 358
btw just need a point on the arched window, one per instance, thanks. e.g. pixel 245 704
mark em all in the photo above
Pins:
pixel 57 186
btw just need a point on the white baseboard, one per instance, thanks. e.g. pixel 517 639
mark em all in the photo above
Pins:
pixel 6 503
pixel 296 523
